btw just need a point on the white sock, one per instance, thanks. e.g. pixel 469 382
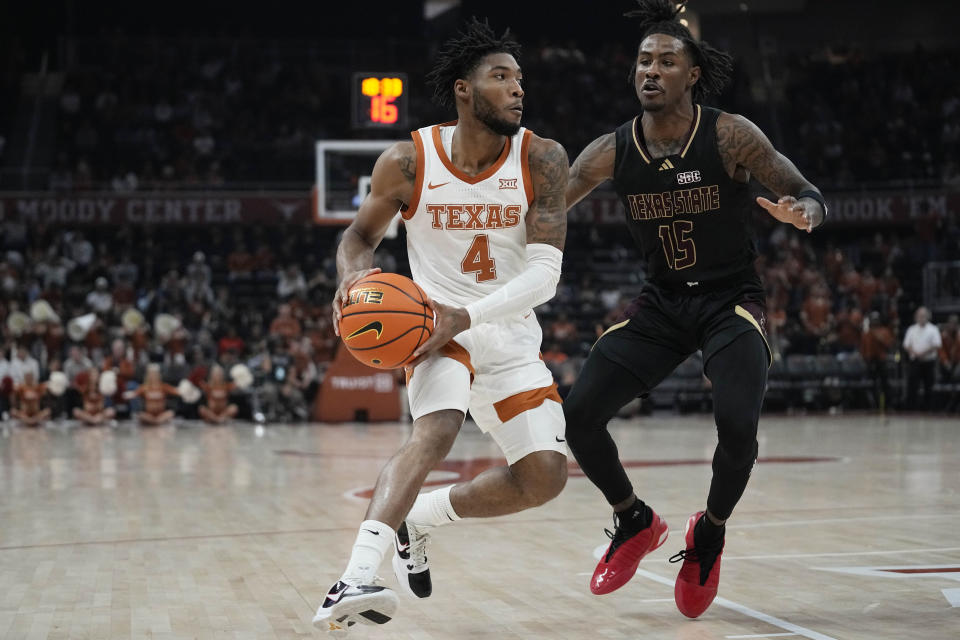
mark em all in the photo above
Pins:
pixel 433 509
pixel 374 540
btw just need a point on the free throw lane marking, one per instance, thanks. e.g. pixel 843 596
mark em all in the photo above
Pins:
pixel 952 596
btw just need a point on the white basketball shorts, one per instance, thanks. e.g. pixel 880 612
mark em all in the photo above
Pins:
pixel 496 372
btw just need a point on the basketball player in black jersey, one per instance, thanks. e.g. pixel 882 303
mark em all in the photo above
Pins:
pixel 681 171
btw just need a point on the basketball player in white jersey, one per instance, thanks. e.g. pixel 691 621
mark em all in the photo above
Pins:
pixel 483 205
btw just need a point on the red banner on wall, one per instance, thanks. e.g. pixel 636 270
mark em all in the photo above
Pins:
pixel 212 208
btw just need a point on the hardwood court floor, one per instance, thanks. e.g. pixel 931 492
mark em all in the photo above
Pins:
pixel 848 530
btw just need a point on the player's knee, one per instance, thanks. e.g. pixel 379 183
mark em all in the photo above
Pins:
pixel 542 476
pixel 579 419
pixel 434 434
pixel 738 454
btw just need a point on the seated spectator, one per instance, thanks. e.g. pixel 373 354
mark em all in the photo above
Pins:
pixel 867 290
pixel 199 271
pixel 231 342
pixel 76 363
pixel 563 331
pixel 93 413
pixel 816 318
pixel 217 390
pixel 154 393
pixel 27 396
pixel 848 329
pixel 290 282
pixel 22 364
pixel 949 354
pixel 126 272
pixel 240 263
pixel 285 325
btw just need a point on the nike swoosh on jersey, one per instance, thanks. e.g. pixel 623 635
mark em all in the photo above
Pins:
pixel 437 186
pixel 559 439
pixel 376 325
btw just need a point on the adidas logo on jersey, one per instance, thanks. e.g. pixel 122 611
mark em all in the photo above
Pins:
pixel 688 176
pixel 666 164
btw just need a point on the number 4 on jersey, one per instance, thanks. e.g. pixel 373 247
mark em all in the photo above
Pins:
pixel 478 259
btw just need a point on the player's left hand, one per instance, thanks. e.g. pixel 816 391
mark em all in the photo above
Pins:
pixel 447 322
pixel 803 214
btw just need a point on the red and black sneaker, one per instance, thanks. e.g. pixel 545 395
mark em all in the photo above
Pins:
pixel 625 552
pixel 699 577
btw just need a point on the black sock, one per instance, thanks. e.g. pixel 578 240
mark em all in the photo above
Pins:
pixel 636 517
pixel 706 533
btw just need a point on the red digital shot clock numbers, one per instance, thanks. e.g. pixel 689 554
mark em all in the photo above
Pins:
pixel 379 100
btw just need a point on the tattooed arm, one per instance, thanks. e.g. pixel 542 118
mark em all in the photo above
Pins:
pixel 391 186
pixel 745 150
pixel 546 227
pixel 547 216
pixel 593 166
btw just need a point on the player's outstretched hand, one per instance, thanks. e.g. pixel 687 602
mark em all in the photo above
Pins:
pixel 340 297
pixel 790 210
pixel 448 322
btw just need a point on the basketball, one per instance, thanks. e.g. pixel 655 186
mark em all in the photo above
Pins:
pixel 385 318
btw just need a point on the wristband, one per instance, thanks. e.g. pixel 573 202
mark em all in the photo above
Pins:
pixel 813 195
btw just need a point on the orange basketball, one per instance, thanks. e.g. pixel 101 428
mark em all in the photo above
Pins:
pixel 385 318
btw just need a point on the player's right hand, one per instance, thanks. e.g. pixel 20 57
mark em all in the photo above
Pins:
pixel 448 322
pixel 343 289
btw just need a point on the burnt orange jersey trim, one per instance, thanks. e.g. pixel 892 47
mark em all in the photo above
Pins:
pixel 525 163
pixel 513 406
pixel 454 351
pixel 418 181
pixel 460 175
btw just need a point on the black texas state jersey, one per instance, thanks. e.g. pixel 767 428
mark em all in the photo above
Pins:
pixel 688 217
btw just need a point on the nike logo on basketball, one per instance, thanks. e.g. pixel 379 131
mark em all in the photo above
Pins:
pixel 437 186
pixel 559 439
pixel 376 325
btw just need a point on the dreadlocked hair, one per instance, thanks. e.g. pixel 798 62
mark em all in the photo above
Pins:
pixel 660 16
pixel 460 55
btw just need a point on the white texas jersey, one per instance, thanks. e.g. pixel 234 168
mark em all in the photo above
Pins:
pixel 466 235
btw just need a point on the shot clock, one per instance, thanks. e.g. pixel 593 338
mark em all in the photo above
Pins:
pixel 379 100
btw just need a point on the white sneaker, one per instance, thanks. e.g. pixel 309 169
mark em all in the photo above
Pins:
pixel 410 561
pixel 347 604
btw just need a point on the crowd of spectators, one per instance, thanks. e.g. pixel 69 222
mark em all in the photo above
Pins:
pixel 149 114
pixel 72 299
